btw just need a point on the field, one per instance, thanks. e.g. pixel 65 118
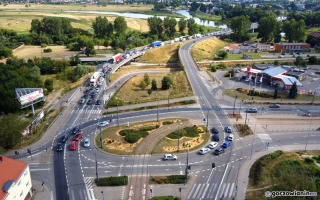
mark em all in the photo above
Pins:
pixel 27 52
pixel 131 94
pixel 206 49
pixel 22 22
pixel 163 54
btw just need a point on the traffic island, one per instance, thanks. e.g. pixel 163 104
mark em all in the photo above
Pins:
pixel 172 179
pixel 112 181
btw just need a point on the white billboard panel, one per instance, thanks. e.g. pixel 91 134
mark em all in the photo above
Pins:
pixel 33 96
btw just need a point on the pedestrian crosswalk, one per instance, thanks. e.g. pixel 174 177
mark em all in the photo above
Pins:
pixel 265 137
pixel 209 191
pixel 88 182
pixel 88 111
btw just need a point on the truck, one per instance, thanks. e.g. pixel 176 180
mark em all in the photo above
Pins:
pixel 94 79
pixel 116 58
pixel 157 44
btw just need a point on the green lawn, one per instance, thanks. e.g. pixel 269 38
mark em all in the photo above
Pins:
pixel 205 16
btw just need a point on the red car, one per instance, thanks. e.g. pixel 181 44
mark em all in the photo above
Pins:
pixel 77 137
pixel 73 146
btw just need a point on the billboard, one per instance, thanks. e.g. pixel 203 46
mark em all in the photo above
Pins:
pixel 28 96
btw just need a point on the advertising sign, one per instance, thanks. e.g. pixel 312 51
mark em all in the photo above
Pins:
pixel 33 96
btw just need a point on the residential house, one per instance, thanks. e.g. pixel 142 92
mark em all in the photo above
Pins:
pixel 15 179
pixel 233 49
pixel 249 49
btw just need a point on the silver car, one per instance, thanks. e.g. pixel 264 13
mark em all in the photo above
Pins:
pixel 86 142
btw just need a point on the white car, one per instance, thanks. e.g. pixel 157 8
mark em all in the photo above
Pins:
pixel 102 124
pixel 230 137
pixel 204 151
pixel 169 157
pixel 212 145
pixel 86 142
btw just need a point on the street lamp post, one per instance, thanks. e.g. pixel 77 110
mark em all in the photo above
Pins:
pixel 240 106
pixel 245 121
pixel 102 195
pixel 157 109
pixel 178 137
pixel 100 136
pixel 234 104
pixel 117 113
pixel 169 98
pixel 96 168
pixel 207 120
pixel 314 94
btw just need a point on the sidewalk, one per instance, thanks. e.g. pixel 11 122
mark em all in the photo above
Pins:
pixel 154 103
pixel 243 177
pixel 41 192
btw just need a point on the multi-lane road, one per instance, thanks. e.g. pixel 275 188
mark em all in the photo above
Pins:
pixel 74 171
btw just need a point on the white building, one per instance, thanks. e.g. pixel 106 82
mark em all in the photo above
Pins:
pixel 15 179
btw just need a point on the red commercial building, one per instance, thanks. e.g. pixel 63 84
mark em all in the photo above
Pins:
pixel 292 47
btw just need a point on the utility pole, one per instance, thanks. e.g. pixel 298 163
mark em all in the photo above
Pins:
pixel 117 113
pixel 100 136
pixel 158 111
pixel 187 166
pixel 234 104
pixel 207 120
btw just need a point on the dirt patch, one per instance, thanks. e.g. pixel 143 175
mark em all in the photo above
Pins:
pixel 206 49
pixel 29 51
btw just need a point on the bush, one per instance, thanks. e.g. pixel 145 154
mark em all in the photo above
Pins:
pixel 47 50
pixel 147 128
pixel 187 132
pixel 143 134
pixel 213 68
pixel 125 132
pixel 308 160
pixel 112 181
pixel 167 122
pixel 185 102
pixel 132 137
pixel 173 179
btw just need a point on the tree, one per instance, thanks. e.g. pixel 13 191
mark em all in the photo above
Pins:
pixel 5 52
pixel 146 79
pixel 213 68
pixel 192 26
pixel 267 28
pixel 182 25
pixel 155 25
pixel 149 91
pixel 120 25
pixel 166 83
pixel 48 84
pixel 169 25
pixel 240 26
pixel 154 84
pixel 299 61
pixel 276 63
pixel 101 27
pixel 90 48
pixel 222 54
pixel 295 30
pixel 142 85
pixel 293 93
pixel 313 60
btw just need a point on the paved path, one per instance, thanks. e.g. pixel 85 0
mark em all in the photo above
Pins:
pixel 148 143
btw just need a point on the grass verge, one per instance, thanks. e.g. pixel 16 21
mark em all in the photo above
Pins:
pixel 243 129
pixel 165 198
pixel 281 171
pixel 173 179
pixel 112 181
pixel 206 49
pixel 130 93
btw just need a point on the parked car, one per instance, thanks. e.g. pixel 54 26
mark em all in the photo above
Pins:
pixel 169 157
pixel 230 137
pixel 77 137
pixel 90 102
pixel 102 124
pixel 226 144
pixel 59 147
pixel 228 129
pixel 216 137
pixel 86 142
pixel 252 110
pixel 203 151
pixel 274 106
pixel 219 151
pixel 73 146
pixel 213 145
pixel 97 90
pixel 214 130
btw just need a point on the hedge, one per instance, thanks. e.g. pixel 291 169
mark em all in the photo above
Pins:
pixel 112 181
pixel 173 179
pixel 187 132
